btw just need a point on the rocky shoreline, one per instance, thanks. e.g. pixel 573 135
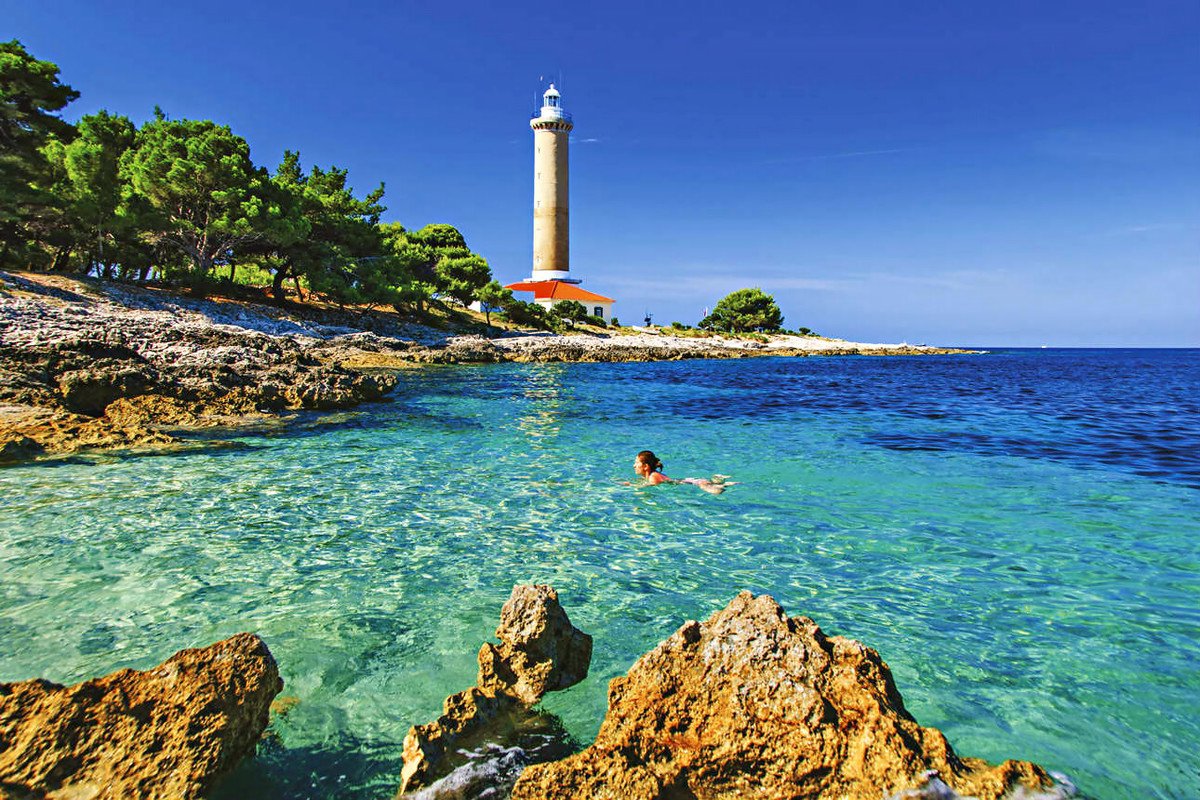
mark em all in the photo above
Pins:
pixel 748 703
pixel 86 364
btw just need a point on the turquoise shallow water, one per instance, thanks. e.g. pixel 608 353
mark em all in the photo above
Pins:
pixel 1017 534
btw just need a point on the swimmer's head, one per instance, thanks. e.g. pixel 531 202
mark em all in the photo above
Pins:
pixel 646 463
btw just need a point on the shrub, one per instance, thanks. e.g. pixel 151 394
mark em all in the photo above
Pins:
pixel 570 310
pixel 532 315
pixel 743 311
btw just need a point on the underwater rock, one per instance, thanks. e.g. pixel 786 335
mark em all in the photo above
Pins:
pixel 168 732
pixel 539 651
pixel 752 703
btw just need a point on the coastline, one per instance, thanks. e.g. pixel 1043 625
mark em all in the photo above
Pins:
pixel 93 365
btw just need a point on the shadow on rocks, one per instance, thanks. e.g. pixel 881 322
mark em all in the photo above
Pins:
pixel 488 733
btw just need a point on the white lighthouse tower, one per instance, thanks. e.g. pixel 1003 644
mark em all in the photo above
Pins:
pixel 551 218
pixel 551 281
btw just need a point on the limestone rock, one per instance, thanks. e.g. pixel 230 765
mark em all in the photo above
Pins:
pixel 752 703
pixel 166 733
pixel 539 651
pixel 110 366
pixel 17 447
pixel 89 391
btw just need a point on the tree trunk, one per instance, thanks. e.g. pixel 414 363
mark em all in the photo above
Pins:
pixel 277 286
pixel 61 256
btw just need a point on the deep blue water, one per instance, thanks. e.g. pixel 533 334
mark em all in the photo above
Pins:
pixel 1018 534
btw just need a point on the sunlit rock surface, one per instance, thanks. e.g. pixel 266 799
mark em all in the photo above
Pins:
pixel 168 732
pixel 752 703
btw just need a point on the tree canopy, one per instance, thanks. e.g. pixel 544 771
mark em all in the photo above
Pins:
pixel 743 311
pixel 100 219
pixel 569 310
pixel 206 195
pixel 183 200
pixel 493 296
pixel 31 94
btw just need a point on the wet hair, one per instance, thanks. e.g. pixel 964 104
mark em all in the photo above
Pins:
pixel 648 458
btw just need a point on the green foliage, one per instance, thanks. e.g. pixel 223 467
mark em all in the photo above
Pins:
pixel 30 96
pixel 743 311
pixel 183 199
pixel 492 295
pixel 462 276
pixel 101 213
pixel 532 315
pixel 439 237
pixel 333 239
pixel 614 322
pixel 436 242
pixel 206 198
pixel 569 310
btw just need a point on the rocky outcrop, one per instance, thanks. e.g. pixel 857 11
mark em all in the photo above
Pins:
pixel 539 651
pixel 79 348
pixel 113 368
pixel 663 346
pixel 752 703
pixel 168 732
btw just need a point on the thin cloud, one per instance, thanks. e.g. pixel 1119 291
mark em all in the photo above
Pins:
pixel 718 285
pixel 848 154
pixel 690 284
pixel 1153 227
pixel 1120 145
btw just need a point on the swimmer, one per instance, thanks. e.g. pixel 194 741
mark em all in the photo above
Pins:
pixel 649 467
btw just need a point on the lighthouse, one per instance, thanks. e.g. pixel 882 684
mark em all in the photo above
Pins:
pixel 551 281
pixel 551 218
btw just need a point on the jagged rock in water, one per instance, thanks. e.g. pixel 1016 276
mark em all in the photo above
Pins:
pixel 539 651
pixel 478 747
pixel 168 732
pixel 752 703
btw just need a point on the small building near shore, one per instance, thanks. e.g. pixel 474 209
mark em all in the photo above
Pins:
pixel 551 280
pixel 547 293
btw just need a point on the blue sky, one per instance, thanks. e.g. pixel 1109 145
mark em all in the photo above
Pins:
pixel 1017 173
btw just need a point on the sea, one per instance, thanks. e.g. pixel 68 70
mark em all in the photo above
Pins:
pixel 1017 533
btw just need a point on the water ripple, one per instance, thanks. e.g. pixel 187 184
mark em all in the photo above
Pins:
pixel 1019 536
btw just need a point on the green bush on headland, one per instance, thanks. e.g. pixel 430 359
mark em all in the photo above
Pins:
pixel 744 311
pixel 182 201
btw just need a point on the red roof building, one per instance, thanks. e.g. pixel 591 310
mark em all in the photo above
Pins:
pixel 547 293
